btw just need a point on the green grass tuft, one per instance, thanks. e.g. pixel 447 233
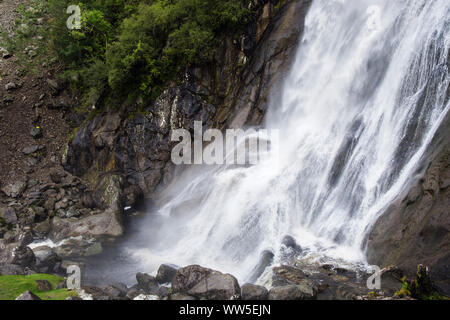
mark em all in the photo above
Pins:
pixel 13 286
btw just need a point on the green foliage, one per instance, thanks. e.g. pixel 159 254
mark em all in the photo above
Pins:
pixel 135 47
pixel 13 286
pixel 405 291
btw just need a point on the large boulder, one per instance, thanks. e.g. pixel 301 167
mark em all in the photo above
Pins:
pixel 147 283
pixel 166 273
pixel 254 292
pixel 205 283
pixel 24 257
pixel 293 292
pixel 47 261
pixel 285 275
pixel 108 193
pixel 108 223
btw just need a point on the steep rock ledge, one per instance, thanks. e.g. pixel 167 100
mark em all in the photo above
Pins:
pixel 232 95
pixel 415 229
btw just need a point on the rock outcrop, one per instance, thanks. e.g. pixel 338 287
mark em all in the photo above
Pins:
pixel 233 94
pixel 200 282
pixel 415 229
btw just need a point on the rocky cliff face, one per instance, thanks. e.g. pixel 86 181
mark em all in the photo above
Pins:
pixel 415 228
pixel 234 94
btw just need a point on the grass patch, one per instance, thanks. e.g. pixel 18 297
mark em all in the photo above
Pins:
pixel 13 286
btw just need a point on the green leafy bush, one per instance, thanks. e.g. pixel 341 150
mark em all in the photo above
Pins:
pixel 136 47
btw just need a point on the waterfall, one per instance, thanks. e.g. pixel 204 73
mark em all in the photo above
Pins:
pixel 364 97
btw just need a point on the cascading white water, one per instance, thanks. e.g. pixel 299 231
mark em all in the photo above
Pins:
pixel 364 97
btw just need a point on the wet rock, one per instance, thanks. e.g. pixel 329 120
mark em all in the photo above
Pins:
pixel 94 249
pixel 28 295
pixel 205 283
pixel 96 293
pixel 187 277
pixel 285 275
pixel 132 195
pixel 415 229
pixel 147 283
pixel 254 292
pixel 43 285
pixel 289 242
pixel 265 261
pixel 108 223
pixel 391 280
pixel 47 261
pixel 166 273
pixel 24 257
pixel 217 287
pixel 134 291
pixel 163 292
pixel 293 292
pixel 114 292
pixel 108 193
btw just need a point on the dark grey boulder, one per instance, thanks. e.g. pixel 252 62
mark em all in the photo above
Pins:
pixel 217 286
pixel 114 292
pixel 289 242
pixel 205 283
pixel 163 292
pixel 47 261
pixel 166 273
pixel 265 261
pixel 285 275
pixel 134 291
pixel 254 292
pixel 147 283
pixel 24 257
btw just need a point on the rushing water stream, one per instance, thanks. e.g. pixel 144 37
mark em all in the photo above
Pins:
pixel 363 99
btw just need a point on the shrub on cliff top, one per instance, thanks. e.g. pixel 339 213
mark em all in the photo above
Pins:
pixel 136 47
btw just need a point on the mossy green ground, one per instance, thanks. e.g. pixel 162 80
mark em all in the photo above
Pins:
pixel 13 286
